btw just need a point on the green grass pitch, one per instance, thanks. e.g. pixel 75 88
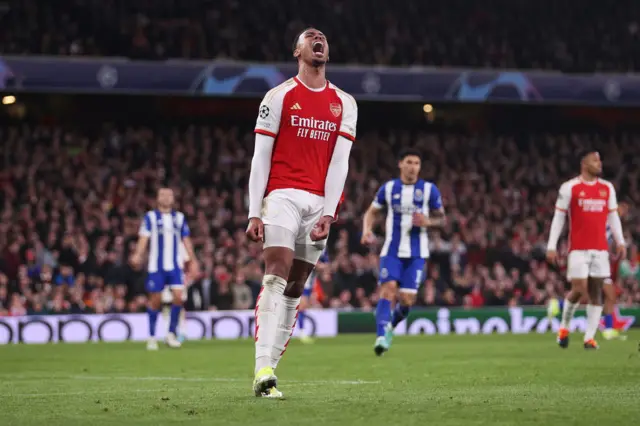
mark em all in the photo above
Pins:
pixel 439 380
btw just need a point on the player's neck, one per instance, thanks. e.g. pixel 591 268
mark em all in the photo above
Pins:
pixel 408 181
pixel 586 177
pixel 164 210
pixel 312 77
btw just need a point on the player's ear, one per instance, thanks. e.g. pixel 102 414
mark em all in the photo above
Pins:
pixel 296 53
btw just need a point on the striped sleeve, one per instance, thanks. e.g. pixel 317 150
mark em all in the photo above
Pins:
pixel 145 226
pixel 380 201
pixel 184 230
pixel 435 199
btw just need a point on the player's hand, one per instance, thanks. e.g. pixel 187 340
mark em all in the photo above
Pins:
pixel 420 220
pixel 135 261
pixel 621 251
pixel 255 230
pixel 552 257
pixel 368 238
pixel 320 230
pixel 194 269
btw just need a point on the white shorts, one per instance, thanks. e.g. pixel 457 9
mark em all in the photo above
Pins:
pixel 167 295
pixel 583 264
pixel 295 211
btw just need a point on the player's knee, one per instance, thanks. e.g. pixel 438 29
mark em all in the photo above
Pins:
pixel 278 261
pixel 294 289
pixel 177 297
pixel 579 285
pixel 298 275
pixel 279 268
pixel 609 295
pixel 408 299
pixel 388 290
pixel 155 301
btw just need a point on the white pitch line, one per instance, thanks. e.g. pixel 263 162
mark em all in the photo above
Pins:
pixel 222 379
pixel 88 393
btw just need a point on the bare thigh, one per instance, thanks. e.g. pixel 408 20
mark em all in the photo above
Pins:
pixel 278 261
pixel 298 275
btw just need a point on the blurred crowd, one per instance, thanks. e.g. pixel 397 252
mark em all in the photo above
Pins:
pixel 71 202
pixel 547 34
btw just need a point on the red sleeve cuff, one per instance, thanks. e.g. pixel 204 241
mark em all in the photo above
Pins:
pixel 561 210
pixel 265 132
pixel 347 135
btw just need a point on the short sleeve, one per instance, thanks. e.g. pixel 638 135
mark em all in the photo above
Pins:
pixel 613 199
pixel 145 226
pixel 185 231
pixel 349 116
pixel 380 201
pixel 435 199
pixel 183 253
pixel 270 111
pixel 564 198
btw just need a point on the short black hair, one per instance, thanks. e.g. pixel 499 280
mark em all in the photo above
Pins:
pixel 408 151
pixel 294 45
pixel 583 151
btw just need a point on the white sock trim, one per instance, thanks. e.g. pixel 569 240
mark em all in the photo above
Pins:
pixel 568 311
pixel 291 302
pixel 594 313
pixel 287 319
pixel 267 318
pixel 276 283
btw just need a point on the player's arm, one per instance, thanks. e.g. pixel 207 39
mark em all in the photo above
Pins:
pixel 185 234
pixel 266 130
pixel 339 165
pixel 613 218
pixel 559 218
pixel 336 176
pixel 259 175
pixel 143 241
pixel 437 216
pixel 371 215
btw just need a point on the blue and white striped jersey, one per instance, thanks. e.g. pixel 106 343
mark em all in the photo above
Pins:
pixel 402 239
pixel 165 232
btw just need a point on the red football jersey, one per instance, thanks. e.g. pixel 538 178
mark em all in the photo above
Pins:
pixel 587 204
pixel 306 124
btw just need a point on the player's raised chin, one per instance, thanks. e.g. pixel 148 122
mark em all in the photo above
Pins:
pixel 313 48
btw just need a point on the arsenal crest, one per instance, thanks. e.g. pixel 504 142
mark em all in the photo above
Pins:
pixel 336 109
pixel 603 193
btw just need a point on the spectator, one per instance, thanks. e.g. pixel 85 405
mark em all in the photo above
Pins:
pixel 452 33
pixel 67 232
pixel 242 296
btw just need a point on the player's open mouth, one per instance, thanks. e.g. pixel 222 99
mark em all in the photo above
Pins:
pixel 318 48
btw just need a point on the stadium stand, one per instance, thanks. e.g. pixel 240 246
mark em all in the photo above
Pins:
pixel 72 200
pixel 545 34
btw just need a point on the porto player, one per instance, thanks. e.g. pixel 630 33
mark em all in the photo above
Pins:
pixel 412 205
pixel 164 230
pixel 304 133
pixel 167 297
pixel 590 203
